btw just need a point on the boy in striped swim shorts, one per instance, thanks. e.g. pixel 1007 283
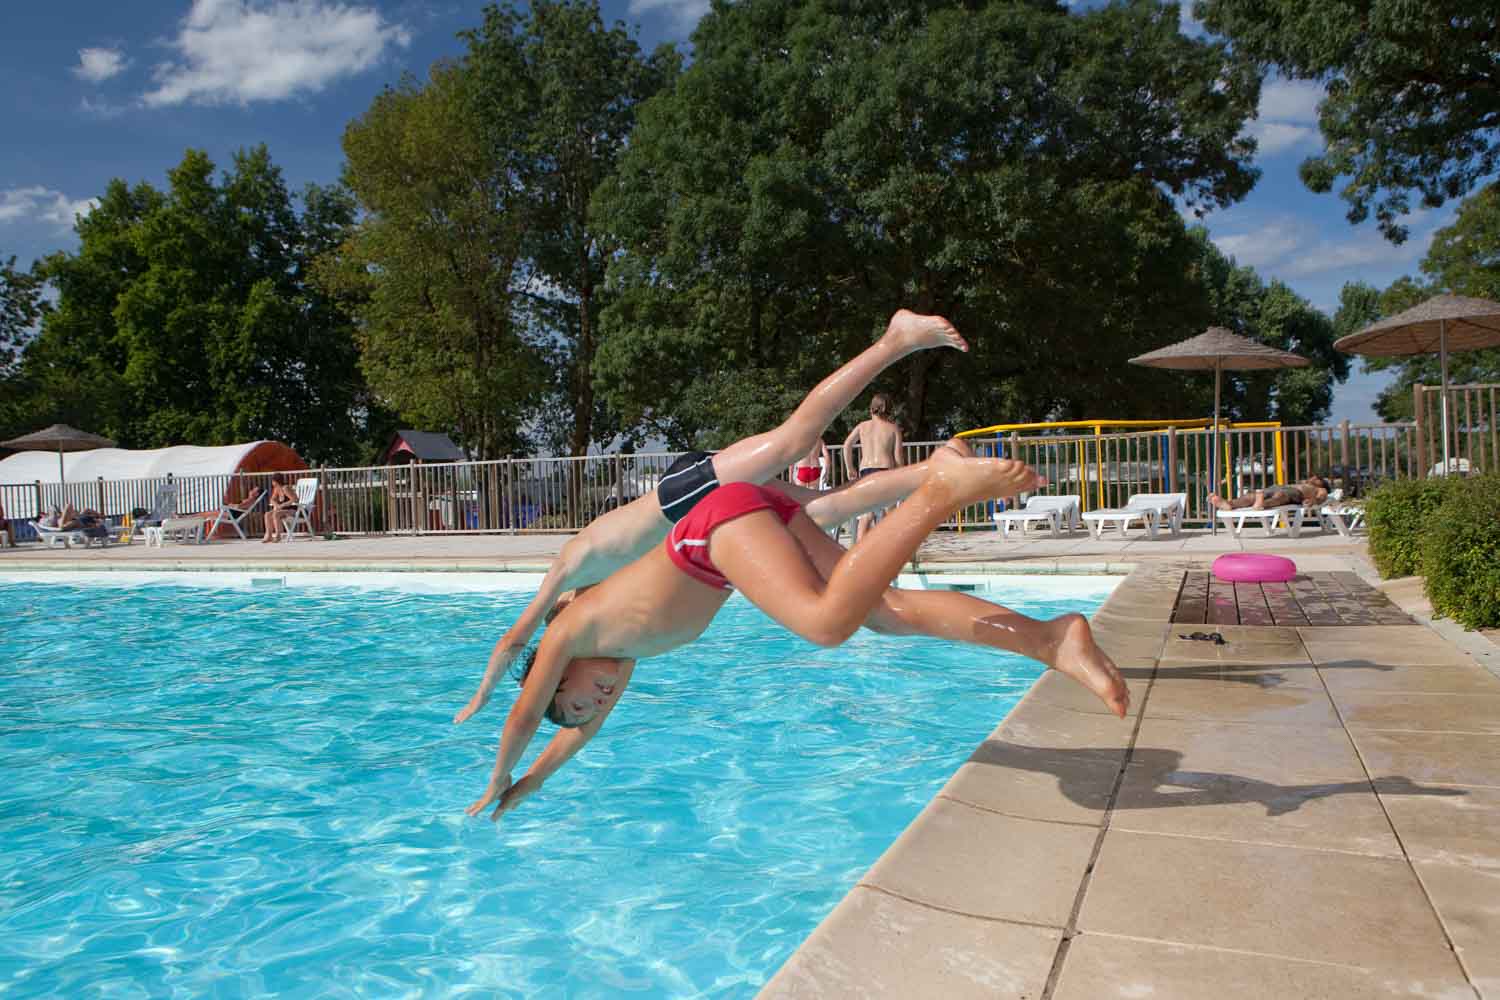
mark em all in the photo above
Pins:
pixel 760 541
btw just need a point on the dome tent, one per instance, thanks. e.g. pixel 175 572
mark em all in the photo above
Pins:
pixel 208 474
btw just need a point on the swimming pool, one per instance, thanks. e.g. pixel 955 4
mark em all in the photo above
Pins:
pixel 238 790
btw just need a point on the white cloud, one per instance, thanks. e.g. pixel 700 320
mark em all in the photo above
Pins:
pixel 1290 247
pixel 43 204
pixel 98 65
pixel 239 51
pixel 684 14
pixel 1273 137
pixel 1265 245
pixel 101 109
pixel 1287 116
pixel 1291 100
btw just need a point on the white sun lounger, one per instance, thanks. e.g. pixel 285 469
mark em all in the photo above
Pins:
pixel 1343 517
pixel 68 536
pixel 1269 518
pixel 1151 509
pixel 307 495
pixel 1055 512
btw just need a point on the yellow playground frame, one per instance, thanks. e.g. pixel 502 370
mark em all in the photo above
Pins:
pixel 1143 426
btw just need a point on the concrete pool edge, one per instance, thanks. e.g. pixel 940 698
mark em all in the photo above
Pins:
pixel 1047 866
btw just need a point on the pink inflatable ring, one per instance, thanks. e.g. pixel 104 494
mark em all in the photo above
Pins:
pixel 1254 567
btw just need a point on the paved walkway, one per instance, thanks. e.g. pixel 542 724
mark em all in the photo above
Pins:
pixel 1301 812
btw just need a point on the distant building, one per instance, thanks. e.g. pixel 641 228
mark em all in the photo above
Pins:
pixel 421 447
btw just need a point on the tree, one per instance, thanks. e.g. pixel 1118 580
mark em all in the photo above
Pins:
pixel 186 317
pixel 565 89
pixel 1413 99
pixel 1463 259
pixel 21 309
pixel 431 271
pixel 1011 165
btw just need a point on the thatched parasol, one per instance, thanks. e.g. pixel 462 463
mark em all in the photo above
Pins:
pixel 1441 324
pixel 1217 349
pixel 59 438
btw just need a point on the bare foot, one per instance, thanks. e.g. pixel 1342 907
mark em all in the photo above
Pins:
pixel 1217 502
pixel 1260 501
pixel 959 445
pixel 972 479
pixel 910 332
pixel 1079 657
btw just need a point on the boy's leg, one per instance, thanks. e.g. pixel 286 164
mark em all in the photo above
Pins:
pixel 833 507
pixel 759 458
pixel 1065 644
pixel 769 566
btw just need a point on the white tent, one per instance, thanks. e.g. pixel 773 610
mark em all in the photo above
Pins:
pixel 83 469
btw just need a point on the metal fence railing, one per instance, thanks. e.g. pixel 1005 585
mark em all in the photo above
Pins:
pixel 1473 426
pixel 565 494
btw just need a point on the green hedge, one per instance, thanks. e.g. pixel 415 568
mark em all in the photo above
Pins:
pixel 1461 553
pixel 1397 514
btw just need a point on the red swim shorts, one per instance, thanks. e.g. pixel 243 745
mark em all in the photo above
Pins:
pixel 687 545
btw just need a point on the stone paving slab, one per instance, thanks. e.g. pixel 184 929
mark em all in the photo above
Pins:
pixel 1458 828
pixel 1233 701
pixel 1470 904
pixel 1440 758
pixel 865 949
pixel 968 860
pixel 1450 713
pixel 1102 967
pixel 1271 900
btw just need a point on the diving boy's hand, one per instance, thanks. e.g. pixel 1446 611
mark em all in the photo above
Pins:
pixel 499 785
pixel 522 789
pixel 500 661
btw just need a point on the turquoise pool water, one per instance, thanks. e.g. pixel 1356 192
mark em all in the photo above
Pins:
pixel 238 792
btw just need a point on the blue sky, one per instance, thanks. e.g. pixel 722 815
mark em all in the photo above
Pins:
pixel 96 90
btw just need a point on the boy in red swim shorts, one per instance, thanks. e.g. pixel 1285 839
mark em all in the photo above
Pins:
pixel 754 539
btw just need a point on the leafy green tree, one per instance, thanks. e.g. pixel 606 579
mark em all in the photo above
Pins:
pixel 21 308
pixel 186 317
pixel 1464 259
pixel 433 270
pixel 562 89
pixel 1413 100
pixel 1015 166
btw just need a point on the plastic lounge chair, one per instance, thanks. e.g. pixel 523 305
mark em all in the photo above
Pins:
pixel 1052 511
pixel 1151 509
pixel 1269 518
pixel 307 495
pixel 67 537
pixel 163 508
pixel 1340 515
pixel 236 517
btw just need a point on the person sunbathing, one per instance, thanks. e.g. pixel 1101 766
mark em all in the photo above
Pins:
pixel 761 542
pixel 623 535
pixel 1308 493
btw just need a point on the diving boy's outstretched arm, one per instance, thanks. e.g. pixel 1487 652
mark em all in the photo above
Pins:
pixel 563 745
pixel 552 658
pixel 558 580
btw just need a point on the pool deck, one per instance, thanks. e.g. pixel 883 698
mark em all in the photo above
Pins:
pixel 1302 811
